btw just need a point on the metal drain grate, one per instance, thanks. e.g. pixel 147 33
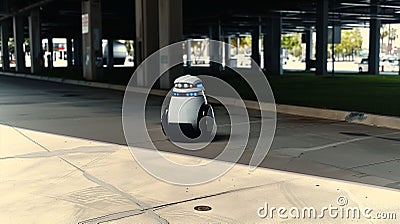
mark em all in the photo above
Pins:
pixel 202 208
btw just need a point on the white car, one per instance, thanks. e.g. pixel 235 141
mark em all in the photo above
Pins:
pixel 390 64
pixel 385 65
pixel 187 108
pixel 363 65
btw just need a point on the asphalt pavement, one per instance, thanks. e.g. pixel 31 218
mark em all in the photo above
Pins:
pixel 63 158
pixel 305 145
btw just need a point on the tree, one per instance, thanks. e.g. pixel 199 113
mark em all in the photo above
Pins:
pixel 392 35
pixel 11 47
pixel 292 42
pixel 384 34
pixel 244 43
pixel 129 47
pixel 350 45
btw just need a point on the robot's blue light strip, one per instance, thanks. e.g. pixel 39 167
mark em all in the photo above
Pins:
pixel 189 94
pixel 200 85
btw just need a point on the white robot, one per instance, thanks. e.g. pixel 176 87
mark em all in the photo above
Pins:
pixel 188 112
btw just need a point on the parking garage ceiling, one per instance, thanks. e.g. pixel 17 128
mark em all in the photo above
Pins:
pixel 61 18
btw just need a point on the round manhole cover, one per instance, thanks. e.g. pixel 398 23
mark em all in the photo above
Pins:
pixel 202 208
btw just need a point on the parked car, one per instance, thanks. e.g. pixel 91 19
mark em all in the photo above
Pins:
pixel 120 53
pixel 363 65
pixel 385 64
pixel 390 64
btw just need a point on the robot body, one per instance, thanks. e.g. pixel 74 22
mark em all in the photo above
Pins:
pixel 187 107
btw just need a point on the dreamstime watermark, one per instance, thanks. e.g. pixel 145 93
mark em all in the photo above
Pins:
pixel 149 154
pixel 338 211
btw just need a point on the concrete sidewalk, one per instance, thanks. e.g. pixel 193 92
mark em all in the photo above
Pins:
pixel 48 178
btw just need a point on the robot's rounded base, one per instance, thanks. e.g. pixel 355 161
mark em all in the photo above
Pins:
pixel 201 131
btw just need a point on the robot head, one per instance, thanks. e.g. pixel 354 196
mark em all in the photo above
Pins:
pixel 188 85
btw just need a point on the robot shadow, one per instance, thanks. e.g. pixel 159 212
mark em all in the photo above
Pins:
pixel 217 138
pixel 221 137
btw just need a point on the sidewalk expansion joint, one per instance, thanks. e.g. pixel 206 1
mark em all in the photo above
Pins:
pixel 100 182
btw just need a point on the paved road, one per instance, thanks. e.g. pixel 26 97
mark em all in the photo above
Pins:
pixel 305 145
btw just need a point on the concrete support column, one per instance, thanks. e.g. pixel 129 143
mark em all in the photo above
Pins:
pixel 188 53
pixel 272 45
pixel 171 31
pixel 69 52
pixel 227 51
pixel 18 25
pixel 91 40
pixel 35 41
pixel 374 43
pixel 322 37
pixel 147 38
pixel 110 53
pixel 78 51
pixel 215 49
pixel 50 57
pixel 158 24
pixel 255 45
pixel 5 54
pixel 309 49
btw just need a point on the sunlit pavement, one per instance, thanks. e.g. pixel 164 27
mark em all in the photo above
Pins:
pixel 47 176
